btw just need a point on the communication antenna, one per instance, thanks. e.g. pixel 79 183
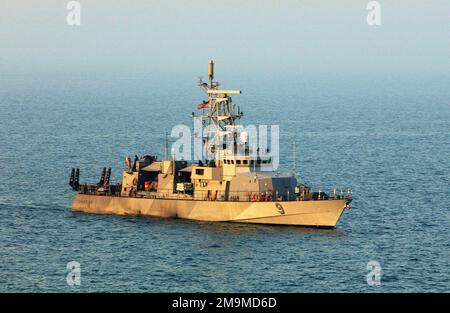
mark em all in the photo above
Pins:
pixel 211 72
pixel 173 161
pixel 293 160
pixel 254 161
pixel 166 148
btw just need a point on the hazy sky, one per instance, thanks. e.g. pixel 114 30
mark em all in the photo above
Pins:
pixel 310 35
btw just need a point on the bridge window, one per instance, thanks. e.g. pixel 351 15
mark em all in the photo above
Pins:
pixel 199 171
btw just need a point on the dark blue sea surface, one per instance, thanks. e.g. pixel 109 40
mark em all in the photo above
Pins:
pixel 384 136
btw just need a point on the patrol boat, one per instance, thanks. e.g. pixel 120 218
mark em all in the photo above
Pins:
pixel 235 185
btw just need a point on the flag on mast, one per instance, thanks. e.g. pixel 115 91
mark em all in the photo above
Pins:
pixel 204 104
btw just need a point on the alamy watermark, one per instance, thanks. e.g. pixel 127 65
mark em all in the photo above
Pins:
pixel 73 17
pixel 73 278
pixel 374 16
pixel 373 278
pixel 205 143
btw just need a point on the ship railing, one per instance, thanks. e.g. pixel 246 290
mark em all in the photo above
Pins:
pixel 246 196
pixel 233 196
pixel 319 194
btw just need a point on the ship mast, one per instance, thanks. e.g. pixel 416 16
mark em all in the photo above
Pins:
pixel 220 115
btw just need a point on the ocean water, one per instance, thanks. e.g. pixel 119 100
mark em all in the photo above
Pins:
pixel 384 136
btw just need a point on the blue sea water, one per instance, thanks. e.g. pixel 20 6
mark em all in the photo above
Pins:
pixel 385 136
